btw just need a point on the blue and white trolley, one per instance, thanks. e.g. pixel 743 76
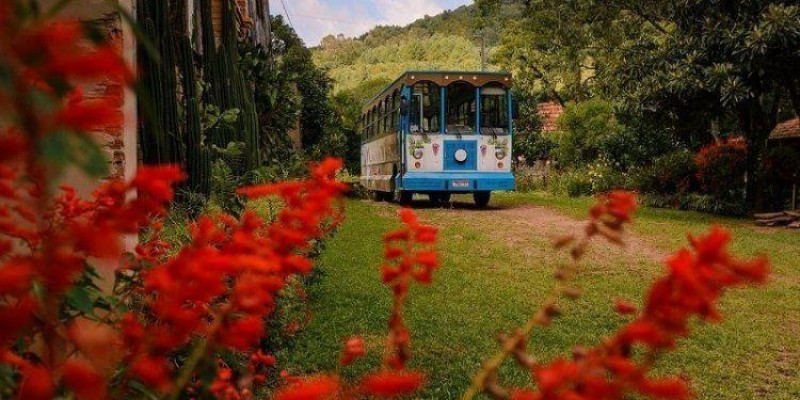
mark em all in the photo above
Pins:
pixel 439 133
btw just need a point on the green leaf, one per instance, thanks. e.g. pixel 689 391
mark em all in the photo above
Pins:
pixel 79 299
pixel 143 390
pixel 90 157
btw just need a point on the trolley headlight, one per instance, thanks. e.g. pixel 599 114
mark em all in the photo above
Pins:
pixel 418 153
pixel 500 154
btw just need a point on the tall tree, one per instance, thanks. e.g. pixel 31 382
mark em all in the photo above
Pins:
pixel 681 63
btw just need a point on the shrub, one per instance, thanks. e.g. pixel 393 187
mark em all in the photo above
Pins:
pixel 584 129
pixel 532 178
pixel 697 202
pixel 574 184
pixel 637 145
pixel 669 174
pixel 721 167
pixel 533 146
pixel 604 178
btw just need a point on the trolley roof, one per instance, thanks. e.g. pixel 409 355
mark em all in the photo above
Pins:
pixel 442 78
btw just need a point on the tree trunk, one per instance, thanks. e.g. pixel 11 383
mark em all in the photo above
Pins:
pixel 756 123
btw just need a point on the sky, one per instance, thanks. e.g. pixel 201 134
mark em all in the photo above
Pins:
pixel 315 19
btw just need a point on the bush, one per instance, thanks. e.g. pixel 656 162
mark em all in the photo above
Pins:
pixel 669 174
pixel 696 202
pixel 604 178
pixel 573 184
pixel 636 146
pixel 585 128
pixel 721 167
pixel 533 146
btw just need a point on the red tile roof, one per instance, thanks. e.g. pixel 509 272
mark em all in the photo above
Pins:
pixel 549 112
pixel 786 129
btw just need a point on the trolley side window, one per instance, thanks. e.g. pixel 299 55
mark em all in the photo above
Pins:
pixel 425 108
pixel 494 110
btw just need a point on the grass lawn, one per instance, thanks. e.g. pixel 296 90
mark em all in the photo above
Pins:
pixel 496 272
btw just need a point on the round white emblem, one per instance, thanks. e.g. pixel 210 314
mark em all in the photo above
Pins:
pixel 461 155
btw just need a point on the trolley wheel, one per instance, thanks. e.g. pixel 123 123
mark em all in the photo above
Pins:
pixel 444 197
pixel 388 197
pixel 482 198
pixel 405 197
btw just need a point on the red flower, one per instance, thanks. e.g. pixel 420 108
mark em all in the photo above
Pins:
pixel 84 115
pixel 37 384
pixel 244 333
pixel 522 394
pixel 394 383
pixel 624 307
pixel 353 350
pixel 670 388
pixel 84 380
pixel 15 277
pixel 555 375
pixel 317 388
pixel 151 371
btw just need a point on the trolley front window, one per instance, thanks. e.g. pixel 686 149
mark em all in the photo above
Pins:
pixel 494 111
pixel 460 108
pixel 425 104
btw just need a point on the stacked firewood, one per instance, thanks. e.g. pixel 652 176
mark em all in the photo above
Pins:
pixel 789 219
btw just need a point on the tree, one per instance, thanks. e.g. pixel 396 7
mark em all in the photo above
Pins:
pixel 692 66
pixel 312 83
pixel 736 57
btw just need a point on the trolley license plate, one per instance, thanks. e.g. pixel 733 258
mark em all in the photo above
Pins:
pixel 460 184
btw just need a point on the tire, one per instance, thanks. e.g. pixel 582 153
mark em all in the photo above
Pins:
pixel 375 195
pixel 482 198
pixel 405 198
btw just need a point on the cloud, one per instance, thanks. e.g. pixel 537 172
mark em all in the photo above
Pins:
pixel 315 19
pixel 402 12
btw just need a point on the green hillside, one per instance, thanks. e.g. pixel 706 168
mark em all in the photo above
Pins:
pixel 451 40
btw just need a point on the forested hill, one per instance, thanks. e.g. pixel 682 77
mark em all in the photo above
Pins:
pixel 450 40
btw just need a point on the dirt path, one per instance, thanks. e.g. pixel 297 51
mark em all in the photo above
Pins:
pixel 520 225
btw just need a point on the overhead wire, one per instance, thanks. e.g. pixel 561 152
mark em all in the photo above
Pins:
pixel 286 11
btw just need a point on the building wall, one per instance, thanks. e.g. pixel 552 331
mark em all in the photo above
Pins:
pixel 119 141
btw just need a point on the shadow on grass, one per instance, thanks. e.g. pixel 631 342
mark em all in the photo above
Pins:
pixel 425 204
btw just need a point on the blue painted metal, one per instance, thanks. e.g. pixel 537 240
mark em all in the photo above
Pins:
pixel 442 106
pixel 450 148
pixel 478 110
pixel 402 140
pixel 454 182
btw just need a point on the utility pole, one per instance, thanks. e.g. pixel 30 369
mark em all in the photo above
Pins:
pixel 483 51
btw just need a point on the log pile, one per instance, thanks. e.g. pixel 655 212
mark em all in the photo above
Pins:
pixel 790 219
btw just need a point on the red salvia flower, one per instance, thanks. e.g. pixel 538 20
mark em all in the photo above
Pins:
pixel 314 388
pixel 695 282
pixel 390 384
pixel 353 350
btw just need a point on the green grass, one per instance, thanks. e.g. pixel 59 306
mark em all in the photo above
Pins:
pixel 488 284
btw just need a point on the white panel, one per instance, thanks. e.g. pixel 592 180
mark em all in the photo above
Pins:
pixel 488 148
pixel 432 148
